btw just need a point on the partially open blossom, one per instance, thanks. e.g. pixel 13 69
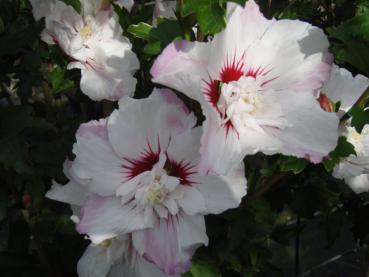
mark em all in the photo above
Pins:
pixel 138 170
pixel 255 82
pixel 93 40
pixel 346 89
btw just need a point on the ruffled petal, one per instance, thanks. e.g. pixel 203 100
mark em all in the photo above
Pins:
pixel 172 242
pixel 71 193
pixel 105 217
pixel 359 183
pixel 223 192
pixel 148 124
pixel 344 87
pixel 95 159
pixel 312 133
pixel 183 66
pixel 93 263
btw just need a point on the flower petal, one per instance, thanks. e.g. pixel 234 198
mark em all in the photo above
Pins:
pixel 171 243
pixel 192 201
pixel 147 123
pixel 104 218
pixel 312 134
pixel 223 192
pixel 71 193
pixel 359 183
pixel 93 263
pixel 343 87
pixel 96 160
pixel 182 66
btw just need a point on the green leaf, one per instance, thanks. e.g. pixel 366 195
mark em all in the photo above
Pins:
pixel 294 164
pixel 343 149
pixel 359 118
pixel 141 30
pixel 76 4
pixel 167 31
pixel 211 15
pixel 58 81
pixel 153 48
pixel 205 269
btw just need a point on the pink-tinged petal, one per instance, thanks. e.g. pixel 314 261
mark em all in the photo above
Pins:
pixel 95 159
pixel 245 26
pixel 191 232
pixel 223 192
pixel 105 217
pixel 220 147
pixel 98 85
pixel 71 193
pixel 172 242
pixel 93 263
pixel 192 201
pixel 140 268
pixel 358 184
pixel 344 87
pixel 311 133
pixel 295 53
pixel 185 146
pixel 182 66
pixel 148 124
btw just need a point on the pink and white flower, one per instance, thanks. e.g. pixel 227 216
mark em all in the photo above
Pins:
pixel 346 89
pixel 255 82
pixel 110 258
pixel 93 40
pixel 138 170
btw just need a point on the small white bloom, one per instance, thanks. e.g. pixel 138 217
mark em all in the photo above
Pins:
pixel 346 89
pixel 94 42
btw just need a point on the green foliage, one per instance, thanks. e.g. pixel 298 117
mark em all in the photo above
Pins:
pixel 359 118
pixel 343 149
pixel 209 13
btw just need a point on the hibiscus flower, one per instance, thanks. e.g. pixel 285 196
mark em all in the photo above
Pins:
pixel 94 42
pixel 256 82
pixel 137 173
pixel 346 89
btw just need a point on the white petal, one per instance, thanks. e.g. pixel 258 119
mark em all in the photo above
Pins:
pixel 359 183
pixel 313 133
pixel 192 202
pixel 93 263
pixel 96 160
pixel 343 87
pixel 182 66
pixel 172 242
pixel 147 123
pixel 223 192
pixel 71 193
pixel 104 218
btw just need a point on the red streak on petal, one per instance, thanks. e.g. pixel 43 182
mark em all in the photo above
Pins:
pixel 212 92
pixel 145 163
pixel 233 69
pixel 181 170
